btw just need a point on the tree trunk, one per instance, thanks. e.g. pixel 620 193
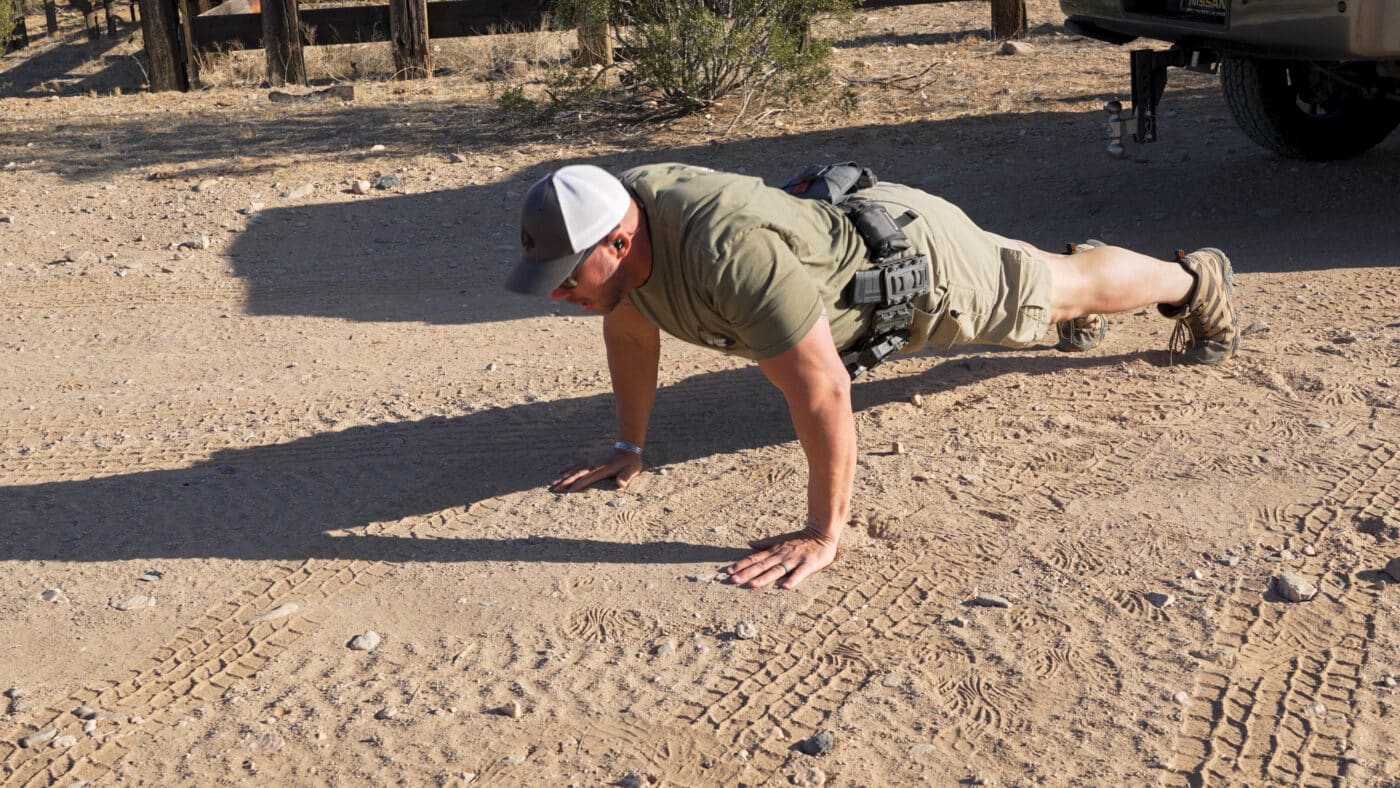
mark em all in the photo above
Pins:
pixel 1008 19
pixel 281 24
pixel 160 28
pixel 595 45
pixel 408 27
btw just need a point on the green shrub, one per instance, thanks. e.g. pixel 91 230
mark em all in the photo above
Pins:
pixel 687 54
pixel 10 11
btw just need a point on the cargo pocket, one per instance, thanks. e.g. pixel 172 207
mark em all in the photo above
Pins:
pixel 1028 299
pixel 960 321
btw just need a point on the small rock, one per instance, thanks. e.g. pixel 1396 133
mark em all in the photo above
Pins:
pixel 1286 555
pixel 1392 568
pixel 513 710
pixel 514 760
pixel 1309 550
pixel 958 621
pixel 1257 327
pixel 281 611
pixel 1294 588
pixel 969 478
pixel 64 742
pixel 365 642
pixel 387 713
pixel 820 744
pixel 81 256
pixel 746 630
pixel 361 187
pixel 892 680
pixel 457 158
pixel 38 738
pixel 298 192
pixel 989 600
pixel 1161 600
pixel 665 649
pixel 52 595
pixel 151 575
pixel 1017 48
pixel 897 448
pixel 137 602
pixel 249 211
pixel 387 182
pixel 633 780
pixel 1197 574
pixel 1389 681
pixel 811 776
pixel 206 185
pixel 1182 698
pixel 1231 561
pixel 917 400
pixel 7 220
pixel 1319 424
pixel 267 743
pixel 922 749
pixel 376 148
pixel 201 243
pixel 84 713
pixel 491 367
pixel 1319 709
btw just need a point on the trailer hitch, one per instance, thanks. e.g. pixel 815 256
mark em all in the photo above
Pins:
pixel 1149 78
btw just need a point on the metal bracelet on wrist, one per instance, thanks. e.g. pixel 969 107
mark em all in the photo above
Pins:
pixel 625 446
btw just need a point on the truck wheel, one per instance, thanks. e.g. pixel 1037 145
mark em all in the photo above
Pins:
pixel 1296 110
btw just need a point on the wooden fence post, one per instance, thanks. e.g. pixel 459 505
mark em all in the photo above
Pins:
pixel 281 25
pixel 160 28
pixel 408 27
pixel 51 16
pixel 1008 19
pixel 595 45
pixel 111 18
pixel 191 57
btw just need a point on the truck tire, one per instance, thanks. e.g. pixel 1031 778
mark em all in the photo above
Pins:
pixel 1272 103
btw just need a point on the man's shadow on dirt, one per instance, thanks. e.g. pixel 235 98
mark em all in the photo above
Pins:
pixel 441 256
pixel 309 498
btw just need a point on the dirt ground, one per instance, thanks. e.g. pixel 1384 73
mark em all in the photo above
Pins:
pixel 328 418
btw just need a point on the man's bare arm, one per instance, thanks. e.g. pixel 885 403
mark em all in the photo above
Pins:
pixel 634 351
pixel 818 392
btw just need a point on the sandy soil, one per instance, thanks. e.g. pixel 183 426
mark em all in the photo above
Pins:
pixel 332 420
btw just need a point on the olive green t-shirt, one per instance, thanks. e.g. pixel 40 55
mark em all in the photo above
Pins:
pixel 741 266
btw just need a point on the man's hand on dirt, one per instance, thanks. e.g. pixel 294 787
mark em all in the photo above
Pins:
pixel 789 558
pixel 619 464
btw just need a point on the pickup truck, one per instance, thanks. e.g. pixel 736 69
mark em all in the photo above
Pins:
pixel 1307 79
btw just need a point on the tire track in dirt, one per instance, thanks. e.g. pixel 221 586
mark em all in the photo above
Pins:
pixel 1280 707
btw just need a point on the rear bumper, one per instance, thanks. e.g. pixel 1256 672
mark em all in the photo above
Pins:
pixel 1289 29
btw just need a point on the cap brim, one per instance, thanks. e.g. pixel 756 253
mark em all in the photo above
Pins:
pixel 540 277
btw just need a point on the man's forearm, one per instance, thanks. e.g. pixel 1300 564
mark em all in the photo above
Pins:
pixel 634 351
pixel 827 432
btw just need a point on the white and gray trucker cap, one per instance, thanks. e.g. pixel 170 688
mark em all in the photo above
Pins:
pixel 564 215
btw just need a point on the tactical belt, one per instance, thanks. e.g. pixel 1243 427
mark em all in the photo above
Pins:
pixel 896 276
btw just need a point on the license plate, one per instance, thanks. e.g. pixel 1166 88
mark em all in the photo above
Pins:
pixel 1209 11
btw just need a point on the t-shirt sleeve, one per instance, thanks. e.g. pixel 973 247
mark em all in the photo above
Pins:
pixel 763 293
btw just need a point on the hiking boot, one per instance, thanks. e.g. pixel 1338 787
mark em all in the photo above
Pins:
pixel 1086 332
pixel 1207 329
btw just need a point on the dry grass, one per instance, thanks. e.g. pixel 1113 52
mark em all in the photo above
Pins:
pixel 515 55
